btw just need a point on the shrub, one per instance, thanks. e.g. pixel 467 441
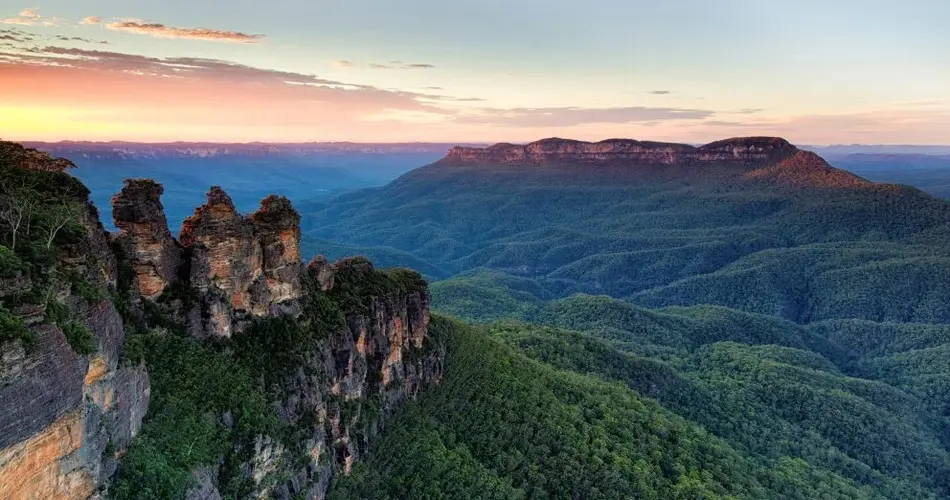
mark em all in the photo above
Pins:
pixel 12 328
pixel 80 338
pixel 10 264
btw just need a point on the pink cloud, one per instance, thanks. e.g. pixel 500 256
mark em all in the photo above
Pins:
pixel 163 31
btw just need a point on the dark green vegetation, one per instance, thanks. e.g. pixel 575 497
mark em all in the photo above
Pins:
pixel 542 412
pixel 194 387
pixel 792 333
pixel 805 245
pixel 643 332
pixel 212 402
pixel 41 215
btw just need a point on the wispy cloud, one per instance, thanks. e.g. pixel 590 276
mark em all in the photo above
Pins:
pixel 388 65
pixel 31 17
pixel 401 65
pixel 661 92
pixel 15 35
pixel 64 38
pixel 211 73
pixel 571 116
pixel 162 31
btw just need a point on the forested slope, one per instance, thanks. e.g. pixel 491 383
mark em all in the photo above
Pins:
pixel 788 236
pixel 787 319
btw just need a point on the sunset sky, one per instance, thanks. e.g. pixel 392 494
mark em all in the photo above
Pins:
pixel 813 71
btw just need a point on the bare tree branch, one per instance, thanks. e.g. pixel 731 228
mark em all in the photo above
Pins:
pixel 17 206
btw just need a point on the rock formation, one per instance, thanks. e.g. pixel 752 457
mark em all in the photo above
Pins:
pixel 68 417
pixel 742 151
pixel 242 267
pixel 144 235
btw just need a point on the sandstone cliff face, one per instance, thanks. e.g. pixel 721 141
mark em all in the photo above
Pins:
pixel 254 260
pixel 741 151
pixel 351 383
pixel 65 417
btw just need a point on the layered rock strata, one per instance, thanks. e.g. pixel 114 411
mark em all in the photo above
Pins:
pixel 65 418
pixel 742 151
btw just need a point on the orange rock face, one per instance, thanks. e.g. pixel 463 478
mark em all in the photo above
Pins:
pixel 32 469
pixel 253 261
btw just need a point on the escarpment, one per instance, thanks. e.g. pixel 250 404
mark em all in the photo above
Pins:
pixel 71 404
pixel 328 350
pixel 740 151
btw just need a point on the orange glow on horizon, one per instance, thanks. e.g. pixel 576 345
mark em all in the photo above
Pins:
pixel 70 103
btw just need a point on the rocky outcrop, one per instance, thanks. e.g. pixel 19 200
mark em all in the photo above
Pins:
pixel 740 151
pixel 67 417
pixel 144 235
pixel 254 260
pixel 241 267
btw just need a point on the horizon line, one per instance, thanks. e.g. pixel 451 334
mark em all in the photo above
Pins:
pixel 449 143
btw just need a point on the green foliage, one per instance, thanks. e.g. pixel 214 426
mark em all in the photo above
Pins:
pixel 10 263
pixel 83 288
pixel 787 359
pixel 503 426
pixel 80 337
pixel 357 284
pixel 661 237
pixel 39 218
pixel 193 386
pixel 12 328
pixel 485 295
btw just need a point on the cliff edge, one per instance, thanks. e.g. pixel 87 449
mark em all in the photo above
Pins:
pixel 106 337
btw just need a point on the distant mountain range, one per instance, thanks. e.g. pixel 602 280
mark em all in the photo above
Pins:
pixel 204 149
pixel 132 150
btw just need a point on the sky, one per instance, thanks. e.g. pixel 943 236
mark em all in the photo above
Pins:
pixel 812 71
